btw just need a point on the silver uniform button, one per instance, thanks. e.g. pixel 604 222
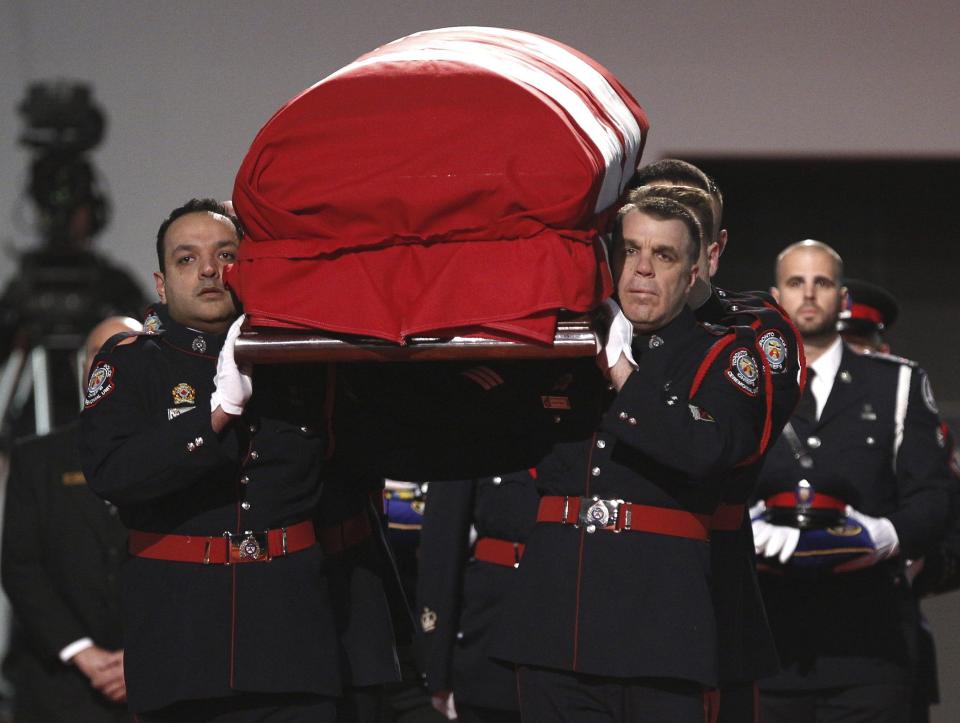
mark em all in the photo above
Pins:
pixel 557 419
pixel 623 415
pixel 497 480
pixel 245 480
pixel 254 455
pixel 632 421
pixel 198 441
pixel 252 428
pixel 871 441
pixel 191 446
pixel 734 307
pixel 245 505
pixel 601 443
pixel 814 442
pixel 595 471
pixel 305 429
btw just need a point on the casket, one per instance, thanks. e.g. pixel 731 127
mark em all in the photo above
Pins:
pixel 453 183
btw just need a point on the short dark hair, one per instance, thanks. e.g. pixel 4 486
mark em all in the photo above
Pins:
pixel 194 205
pixel 693 198
pixel 645 201
pixel 680 173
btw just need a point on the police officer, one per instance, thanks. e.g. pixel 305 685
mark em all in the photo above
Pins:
pixel 869 312
pixel 747 650
pixel 612 618
pixel 473 538
pixel 226 605
pixel 62 548
pixel 860 461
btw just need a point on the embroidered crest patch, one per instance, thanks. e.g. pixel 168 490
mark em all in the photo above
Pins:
pixel 100 384
pixel 744 372
pixel 183 393
pixel 775 349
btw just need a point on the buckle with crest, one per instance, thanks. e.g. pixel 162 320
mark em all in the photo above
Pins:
pixel 598 514
pixel 247 546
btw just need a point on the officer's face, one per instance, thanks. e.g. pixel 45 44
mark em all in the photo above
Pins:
pixel 653 270
pixel 808 288
pixel 196 248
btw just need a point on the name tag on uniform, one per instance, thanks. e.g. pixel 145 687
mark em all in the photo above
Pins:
pixel 555 402
pixel 175 412
pixel 71 479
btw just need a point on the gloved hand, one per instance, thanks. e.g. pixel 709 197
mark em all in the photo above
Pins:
pixel 442 701
pixel 770 540
pixel 886 543
pixel 234 385
pixel 619 336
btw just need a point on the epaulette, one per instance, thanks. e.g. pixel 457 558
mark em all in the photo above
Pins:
pixel 754 299
pixel 893 358
pixel 117 339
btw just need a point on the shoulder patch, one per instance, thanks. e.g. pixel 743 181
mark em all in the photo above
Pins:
pixel 100 384
pixel 744 372
pixel 774 348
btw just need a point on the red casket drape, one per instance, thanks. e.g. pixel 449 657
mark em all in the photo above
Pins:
pixel 453 181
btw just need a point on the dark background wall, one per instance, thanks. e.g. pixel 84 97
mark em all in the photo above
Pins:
pixel 187 85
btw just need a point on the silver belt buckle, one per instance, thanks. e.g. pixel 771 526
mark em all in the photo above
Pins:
pixel 596 513
pixel 247 546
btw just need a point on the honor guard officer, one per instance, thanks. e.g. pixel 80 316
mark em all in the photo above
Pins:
pixel 473 538
pixel 747 650
pixel 869 312
pixel 859 463
pixel 62 548
pixel 226 607
pixel 612 617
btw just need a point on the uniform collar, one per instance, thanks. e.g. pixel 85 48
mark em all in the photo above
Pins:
pixel 182 338
pixel 673 330
pixel 713 309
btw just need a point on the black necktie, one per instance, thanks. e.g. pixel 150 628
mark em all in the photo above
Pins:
pixel 807 407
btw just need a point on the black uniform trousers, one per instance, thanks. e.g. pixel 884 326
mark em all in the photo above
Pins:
pixel 557 696
pixel 248 708
pixel 866 703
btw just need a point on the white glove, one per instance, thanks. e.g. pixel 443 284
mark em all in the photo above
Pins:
pixel 886 543
pixel 769 540
pixel 442 701
pixel 619 336
pixel 234 385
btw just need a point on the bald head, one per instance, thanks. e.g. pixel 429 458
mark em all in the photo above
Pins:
pixel 103 331
pixel 811 246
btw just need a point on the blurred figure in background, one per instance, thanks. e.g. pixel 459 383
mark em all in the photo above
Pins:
pixel 62 547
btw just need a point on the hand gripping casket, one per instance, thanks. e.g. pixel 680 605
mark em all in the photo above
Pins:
pixel 451 182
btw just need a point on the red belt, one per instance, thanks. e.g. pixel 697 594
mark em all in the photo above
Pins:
pixel 617 516
pixel 226 549
pixel 498 552
pixel 346 534
pixel 819 501
pixel 728 518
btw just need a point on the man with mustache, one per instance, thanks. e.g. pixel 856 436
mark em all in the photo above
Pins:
pixel 612 618
pixel 228 610
pixel 861 463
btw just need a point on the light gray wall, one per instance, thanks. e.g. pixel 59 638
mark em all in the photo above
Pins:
pixel 187 84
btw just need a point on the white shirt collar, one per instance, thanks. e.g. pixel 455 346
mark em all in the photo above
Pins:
pixel 826 368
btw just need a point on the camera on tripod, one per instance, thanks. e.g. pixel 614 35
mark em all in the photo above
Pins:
pixel 62 289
